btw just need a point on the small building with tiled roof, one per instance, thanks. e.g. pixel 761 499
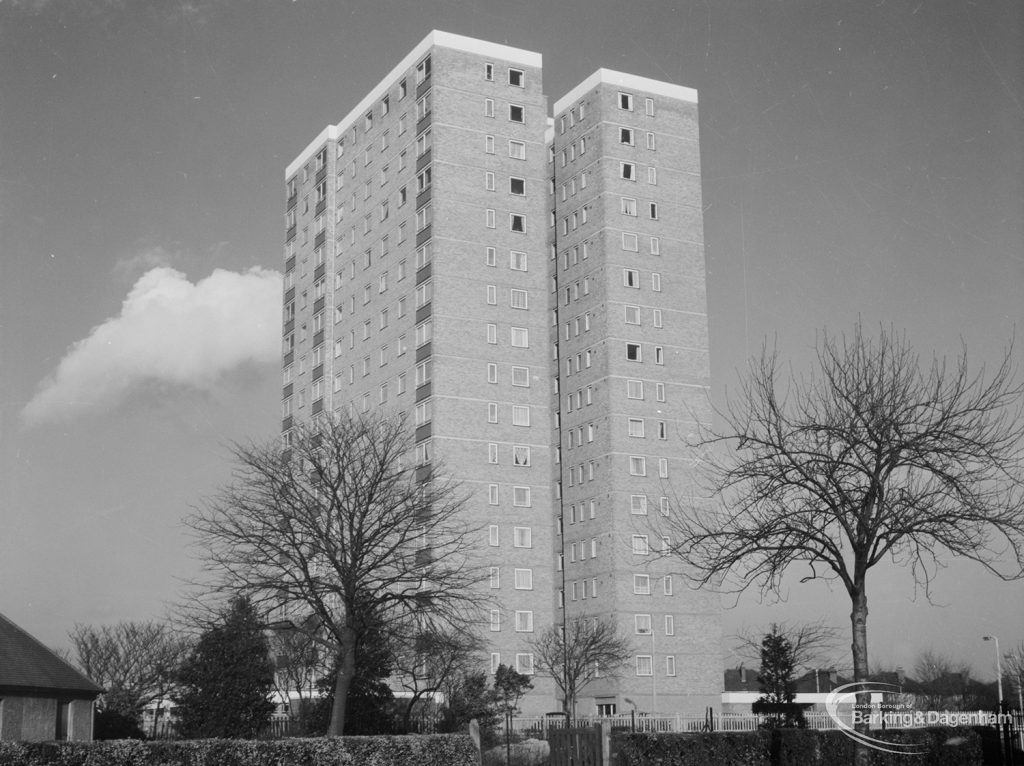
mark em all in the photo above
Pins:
pixel 741 689
pixel 42 697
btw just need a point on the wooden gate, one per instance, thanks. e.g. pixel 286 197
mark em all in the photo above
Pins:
pixel 582 746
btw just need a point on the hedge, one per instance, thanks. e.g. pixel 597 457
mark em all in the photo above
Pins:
pixel 427 750
pixel 793 747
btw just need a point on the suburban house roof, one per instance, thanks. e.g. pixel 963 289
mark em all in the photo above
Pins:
pixel 743 679
pixel 26 665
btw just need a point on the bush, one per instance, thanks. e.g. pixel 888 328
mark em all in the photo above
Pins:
pixel 793 747
pixel 429 750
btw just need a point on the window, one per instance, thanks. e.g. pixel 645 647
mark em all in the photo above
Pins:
pixel 644 665
pixel 626 101
pixel 641 547
pixel 489 181
pixel 521 497
pixel 637 465
pixel 634 389
pixel 492 412
pixel 492 373
pixel 649 106
pixel 495 620
pixel 490 256
pixel 488 107
pixel 520 415
pixel 492 295
pixel 522 537
pixel 655 246
pixel 423 217
pixel 642 584
pixel 495 577
pixel 659 355
pixel 633 352
pixel 517 260
pixel 632 314
pixel 642 623
pixel 663 467
pixel 638 505
pixel 656 314
pixel 517 222
pixel 636 427
pixel 424 332
pixel 626 136
pixel 492 495
pixel 520 337
pixel 631 278
pixel 492 453
pixel 423 372
pixel 524 664
pixel 652 176
pixel 520 376
pixel 516 185
pixel 423 70
pixel 422 449
pixel 516 77
pixel 516 113
pixel 524 622
pixel 489 72
pixel 492 333
pixel 492 535
pixel 627 170
pixel 518 298
pixel 422 143
pixel 656 282
pixel 524 579
pixel 490 219
pixel 630 242
pixel 628 206
pixel 489 144
pixel 666 585
pixel 517 150
pixel 653 210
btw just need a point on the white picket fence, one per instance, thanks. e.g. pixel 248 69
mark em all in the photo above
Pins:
pixel 538 726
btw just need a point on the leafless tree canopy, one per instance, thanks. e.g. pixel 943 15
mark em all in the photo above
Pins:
pixel 812 643
pixel 133 661
pixel 574 656
pixel 340 526
pixel 873 456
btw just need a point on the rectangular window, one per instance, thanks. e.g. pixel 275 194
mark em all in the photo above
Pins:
pixel 663 467
pixel 649 106
pixel 642 623
pixel 524 579
pixel 626 136
pixel 489 72
pixel 424 333
pixel 492 495
pixel 636 427
pixel 517 222
pixel 490 220
pixel 628 205
pixel 638 505
pixel 517 260
pixel 633 352
pixel 495 620
pixel 492 453
pixel 521 497
pixel 492 412
pixel 423 372
pixel 488 107
pixel 666 585
pixel 637 465
pixel 520 376
pixel 656 282
pixel 631 278
pixel 516 185
pixel 653 210
pixel 644 665
pixel 492 535
pixel 626 101
pixel 657 316
pixel 652 176
pixel 516 113
pixel 522 537
pixel 520 337
pixel 518 298
pixel 492 295
pixel 495 577
pixel 492 373
pixel 492 333
pixel 627 170
pixel 489 144
pixel 489 181
pixel 641 547
pixel 634 389
pixel 642 584
pixel 670 625
pixel 516 78
pixel 670 665
pixel 524 664
pixel 520 415
pixel 630 242
pixel 517 150
pixel 650 140
pixel 659 392
pixel 655 246
pixel 524 622
pixel 632 314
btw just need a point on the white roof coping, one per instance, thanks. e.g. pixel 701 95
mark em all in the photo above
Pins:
pixel 628 81
pixel 435 38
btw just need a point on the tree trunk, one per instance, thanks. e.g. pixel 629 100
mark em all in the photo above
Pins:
pixel 859 623
pixel 342 682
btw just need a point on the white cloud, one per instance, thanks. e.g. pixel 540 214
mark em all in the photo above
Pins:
pixel 169 331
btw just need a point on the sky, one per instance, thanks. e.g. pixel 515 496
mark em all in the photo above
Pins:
pixel 859 160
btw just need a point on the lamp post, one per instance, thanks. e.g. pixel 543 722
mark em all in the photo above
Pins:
pixel 999 669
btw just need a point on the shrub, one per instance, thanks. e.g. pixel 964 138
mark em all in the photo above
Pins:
pixel 429 750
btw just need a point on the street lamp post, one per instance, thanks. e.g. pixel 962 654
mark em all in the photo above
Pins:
pixel 999 668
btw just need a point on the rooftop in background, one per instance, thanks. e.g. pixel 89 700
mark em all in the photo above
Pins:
pixel 26 664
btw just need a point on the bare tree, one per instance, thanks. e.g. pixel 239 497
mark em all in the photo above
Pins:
pixel 431 660
pixel 812 643
pixel 341 525
pixel 872 457
pixel 943 683
pixel 1013 668
pixel 299 662
pixel 133 661
pixel 574 654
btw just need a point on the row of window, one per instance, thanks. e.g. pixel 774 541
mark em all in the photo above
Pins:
pixel 641 545
pixel 645 665
pixel 523 663
pixel 516 77
pixel 522 578
pixel 516 185
pixel 634 353
pixel 516 112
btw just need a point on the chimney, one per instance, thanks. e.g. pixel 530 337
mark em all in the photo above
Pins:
pixel 743 674
pixel 900 675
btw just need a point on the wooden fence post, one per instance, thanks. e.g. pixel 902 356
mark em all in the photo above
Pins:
pixel 606 743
